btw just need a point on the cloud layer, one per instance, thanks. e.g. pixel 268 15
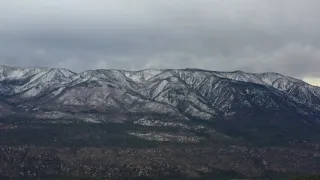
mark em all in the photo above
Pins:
pixel 250 35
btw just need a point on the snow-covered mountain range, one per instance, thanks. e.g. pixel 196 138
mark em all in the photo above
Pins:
pixel 192 121
pixel 181 93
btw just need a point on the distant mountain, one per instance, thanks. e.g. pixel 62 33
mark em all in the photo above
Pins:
pixel 181 122
pixel 186 93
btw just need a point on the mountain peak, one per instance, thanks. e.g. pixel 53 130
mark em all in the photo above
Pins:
pixel 154 85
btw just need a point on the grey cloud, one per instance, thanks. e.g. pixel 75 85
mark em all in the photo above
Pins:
pixel 251 35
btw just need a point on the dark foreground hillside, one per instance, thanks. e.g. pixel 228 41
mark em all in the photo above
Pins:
pixel 114 151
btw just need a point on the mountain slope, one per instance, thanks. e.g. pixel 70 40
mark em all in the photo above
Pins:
pixel 187 92
pixel 190 122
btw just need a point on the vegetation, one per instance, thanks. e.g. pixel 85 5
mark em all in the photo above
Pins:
pixel 107 151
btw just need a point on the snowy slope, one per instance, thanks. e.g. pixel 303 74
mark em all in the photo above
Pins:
pixel 189 93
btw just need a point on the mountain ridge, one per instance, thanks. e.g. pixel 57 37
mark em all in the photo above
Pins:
pixel 261 121
pixel 150 69
pixel 187 92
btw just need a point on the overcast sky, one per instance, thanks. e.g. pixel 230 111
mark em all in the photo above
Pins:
pixel 225 35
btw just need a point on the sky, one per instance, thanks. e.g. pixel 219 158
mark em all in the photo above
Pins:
pixel 224 35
